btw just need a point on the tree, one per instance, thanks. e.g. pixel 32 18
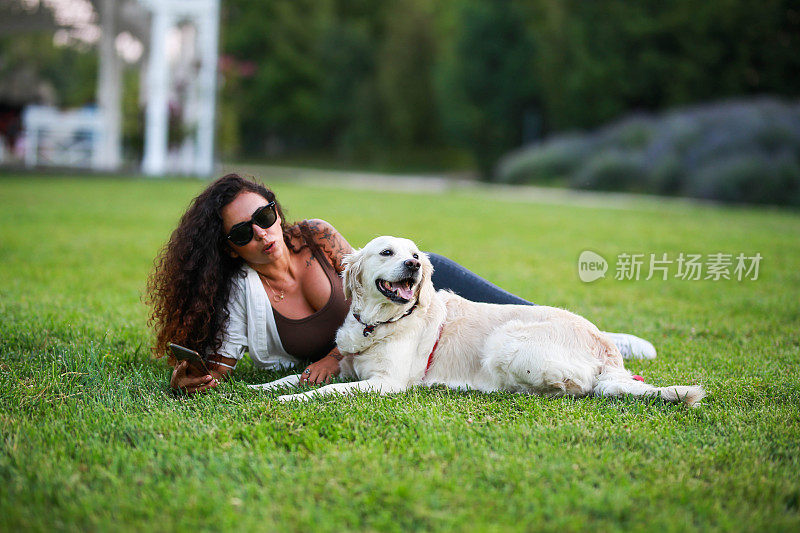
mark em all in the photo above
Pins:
pixel 487 83
pixel 282 98
pixel 405 75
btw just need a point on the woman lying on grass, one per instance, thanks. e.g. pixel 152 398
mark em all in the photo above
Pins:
pixel 236 276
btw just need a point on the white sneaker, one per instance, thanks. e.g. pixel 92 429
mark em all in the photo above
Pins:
pixel 631 346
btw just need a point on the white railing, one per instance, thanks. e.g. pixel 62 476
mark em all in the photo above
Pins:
pixel 62 138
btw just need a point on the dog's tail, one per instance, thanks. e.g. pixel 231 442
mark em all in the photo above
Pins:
pixel 614 381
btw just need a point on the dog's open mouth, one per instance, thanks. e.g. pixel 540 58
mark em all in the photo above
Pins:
pixel 400 291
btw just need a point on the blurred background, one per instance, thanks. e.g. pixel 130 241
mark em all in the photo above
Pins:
pixel 682 98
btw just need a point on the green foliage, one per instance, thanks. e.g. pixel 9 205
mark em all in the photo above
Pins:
pixel 750 178
pixel 552 161
pixel 366 80
pixel 487 84
pixel 611 171
pixel 92 439
pixel 349 102
pixel 599 59
pixel 405 74
pixel 369 78
pixel 281 100
pixel 745 151
pixel 70 74
pixel 133 115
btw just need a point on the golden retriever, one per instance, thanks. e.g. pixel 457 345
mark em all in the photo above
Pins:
pixel 400 332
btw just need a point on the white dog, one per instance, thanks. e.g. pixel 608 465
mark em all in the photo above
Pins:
pixel 400 333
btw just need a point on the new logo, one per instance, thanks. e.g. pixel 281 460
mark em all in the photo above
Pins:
pixel 591 266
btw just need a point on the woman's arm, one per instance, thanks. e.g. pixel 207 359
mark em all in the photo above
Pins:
pixel 331 242
pixel 335 247
pixel 234 342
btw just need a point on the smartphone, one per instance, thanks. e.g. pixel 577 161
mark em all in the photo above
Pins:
pixel 194 359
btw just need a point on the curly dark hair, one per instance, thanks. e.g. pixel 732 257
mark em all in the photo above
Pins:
pixel 191 281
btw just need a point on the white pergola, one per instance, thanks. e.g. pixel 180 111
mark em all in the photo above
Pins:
pixel 179 70
pixel 197 66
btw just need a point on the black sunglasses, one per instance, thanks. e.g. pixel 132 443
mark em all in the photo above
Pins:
pixel 263 217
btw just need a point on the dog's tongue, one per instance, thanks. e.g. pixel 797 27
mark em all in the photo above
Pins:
pixel 403 290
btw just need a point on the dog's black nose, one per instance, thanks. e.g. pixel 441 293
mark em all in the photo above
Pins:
pixel 411 264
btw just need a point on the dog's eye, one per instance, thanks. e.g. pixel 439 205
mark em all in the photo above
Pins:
pixel 415 256
pixel 387 252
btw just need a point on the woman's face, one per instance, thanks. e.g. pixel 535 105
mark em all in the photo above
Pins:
pixel 267 244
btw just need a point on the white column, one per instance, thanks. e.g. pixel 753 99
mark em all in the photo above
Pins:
pixel 109 88
pixel 32 129
pixel 208 37
pixel 157 114
pixel 186 74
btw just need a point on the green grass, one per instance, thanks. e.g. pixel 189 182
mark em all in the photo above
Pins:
pixel 92 439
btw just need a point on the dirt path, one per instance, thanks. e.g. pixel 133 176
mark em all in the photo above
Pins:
pixel 444 185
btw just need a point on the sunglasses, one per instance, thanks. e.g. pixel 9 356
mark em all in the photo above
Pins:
pixel 263 217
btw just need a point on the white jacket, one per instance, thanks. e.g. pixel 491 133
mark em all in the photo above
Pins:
pixel 251 325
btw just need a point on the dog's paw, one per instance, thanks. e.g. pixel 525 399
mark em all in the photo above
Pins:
pixel 293 398
pixel 262 386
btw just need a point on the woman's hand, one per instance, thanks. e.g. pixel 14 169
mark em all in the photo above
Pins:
pixel 320 372
pixel 186 378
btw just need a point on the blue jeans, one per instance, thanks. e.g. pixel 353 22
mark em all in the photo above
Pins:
pixel 447 274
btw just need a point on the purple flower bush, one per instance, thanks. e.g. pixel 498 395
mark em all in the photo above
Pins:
pixel 736 151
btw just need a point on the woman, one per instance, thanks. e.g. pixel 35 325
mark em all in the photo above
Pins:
pixel 235 276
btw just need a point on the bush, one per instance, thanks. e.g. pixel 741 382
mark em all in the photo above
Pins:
pixel 750 178
pixel 557 159
pixel 614 170
pixel 633 133
pixel 739 151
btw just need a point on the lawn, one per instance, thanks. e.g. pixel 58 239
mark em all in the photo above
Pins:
pixel 93 439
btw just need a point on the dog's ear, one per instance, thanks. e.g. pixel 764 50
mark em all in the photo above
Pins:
pixel 353 263
pixel 426 289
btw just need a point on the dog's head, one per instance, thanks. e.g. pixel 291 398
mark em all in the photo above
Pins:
pixel 388 270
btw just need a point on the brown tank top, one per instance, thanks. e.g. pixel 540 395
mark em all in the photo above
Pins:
pixel 312 337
